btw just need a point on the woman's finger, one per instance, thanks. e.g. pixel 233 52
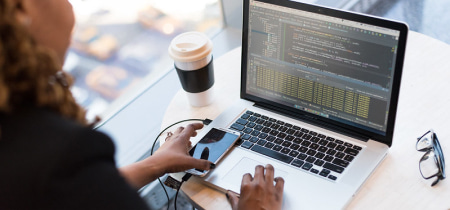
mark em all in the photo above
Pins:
pixel 269 174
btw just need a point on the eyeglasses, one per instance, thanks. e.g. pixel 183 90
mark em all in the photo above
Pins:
pixel 432 164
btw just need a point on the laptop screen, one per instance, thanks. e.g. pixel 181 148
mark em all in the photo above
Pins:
pixel 325 65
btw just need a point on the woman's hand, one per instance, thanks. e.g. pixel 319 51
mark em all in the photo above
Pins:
pixel 172 156
pixel 175 151
pixel 259 192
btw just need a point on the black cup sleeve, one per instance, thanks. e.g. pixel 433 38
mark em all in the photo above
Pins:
pixel 196 81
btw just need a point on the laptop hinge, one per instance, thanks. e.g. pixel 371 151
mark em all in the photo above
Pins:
pixel 313 120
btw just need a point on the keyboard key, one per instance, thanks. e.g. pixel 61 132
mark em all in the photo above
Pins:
pixel 322 149
pixel 303 149
pixel 294 153
pixel 313 133
pixel 333 167
pixel 247 144
pixel 241 121
pixel 332 177
pixel 280 122
pixel 272 154
pixel 331 145
pixel 330 139
pixel 348 144
pixel 261 142
pixel 310 159
pixel 288 125
pixel 246 137
pixel 264 117
pixel 245 116
pixel 285 150
pixel 281 135
pixel 314 146
pixel 267 123
pixel 340 162
pixel 290 131
pixel 263 135
pixel 319 155
pixel 278 141
pixel 323 142
pixel 349 158
pixel 283 129
pixel 272 120
pixel 340 155
pixel 297 141
pixel 324 172
pixel 296 127
pixel 311 152
pixel 297 163
pixel 338 141
pixel 265 130
pixel 307 166
pixel 275 126
pixel 269 145
pixel 307 136
pixel 321 136
pixel 328 158
pixel 315 171
pixel 351 151
pixel 274 132
pixel 252 119
pixel 256 115
pixel 237 127
pixel 248 130
pixel 258 127
pixel 294 146
pixel 254 139
pixel 249 112
pixel 306 143
pixel 357 148
pixel 340 148
pixel 302 156
pixel 251 125
pixel 319 162
pixel 304 130
pixel 260 121
pixel 286 144
pixel 270 138
pixel 331 152
pixel 289 138
pixel 277 148
pixel 299 134
pixel 255 133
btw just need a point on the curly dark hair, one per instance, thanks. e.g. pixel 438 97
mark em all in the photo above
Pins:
pixel 29 73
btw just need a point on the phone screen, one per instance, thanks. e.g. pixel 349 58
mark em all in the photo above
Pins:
pixel 217 141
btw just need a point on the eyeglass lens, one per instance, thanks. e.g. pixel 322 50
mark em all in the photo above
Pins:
pixel 429 165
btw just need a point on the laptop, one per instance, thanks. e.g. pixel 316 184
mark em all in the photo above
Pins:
pixel 319 92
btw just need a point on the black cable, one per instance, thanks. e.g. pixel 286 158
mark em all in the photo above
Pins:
pixel 153 147
pixel 205 122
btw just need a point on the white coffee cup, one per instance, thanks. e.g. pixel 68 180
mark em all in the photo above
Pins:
pixel 192 55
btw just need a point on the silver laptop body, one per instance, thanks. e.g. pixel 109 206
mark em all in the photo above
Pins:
pixel 331 75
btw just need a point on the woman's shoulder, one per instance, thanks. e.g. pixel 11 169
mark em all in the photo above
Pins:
pixel 39 130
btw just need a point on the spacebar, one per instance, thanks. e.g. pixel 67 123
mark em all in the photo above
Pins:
pixel 272 154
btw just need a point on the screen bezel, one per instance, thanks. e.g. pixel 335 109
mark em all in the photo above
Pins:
pixel 335 125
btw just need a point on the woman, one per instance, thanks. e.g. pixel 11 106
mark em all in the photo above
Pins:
pixel 50 158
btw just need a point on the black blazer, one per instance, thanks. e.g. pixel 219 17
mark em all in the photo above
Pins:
pixel 50 162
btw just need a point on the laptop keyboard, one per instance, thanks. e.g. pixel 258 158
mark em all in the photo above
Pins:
pixel 299 147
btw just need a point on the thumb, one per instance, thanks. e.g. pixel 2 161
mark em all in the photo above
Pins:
pixel 233 199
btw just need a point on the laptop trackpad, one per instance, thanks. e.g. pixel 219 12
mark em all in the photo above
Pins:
pixel 246 165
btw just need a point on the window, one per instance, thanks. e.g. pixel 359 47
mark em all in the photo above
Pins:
pixel 118 44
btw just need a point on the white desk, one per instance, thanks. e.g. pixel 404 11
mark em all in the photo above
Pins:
pixel 397 183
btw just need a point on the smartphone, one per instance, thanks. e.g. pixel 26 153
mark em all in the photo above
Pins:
pixel 213 146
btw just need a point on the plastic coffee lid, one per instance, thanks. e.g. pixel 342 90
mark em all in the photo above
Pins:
pixel 190 46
